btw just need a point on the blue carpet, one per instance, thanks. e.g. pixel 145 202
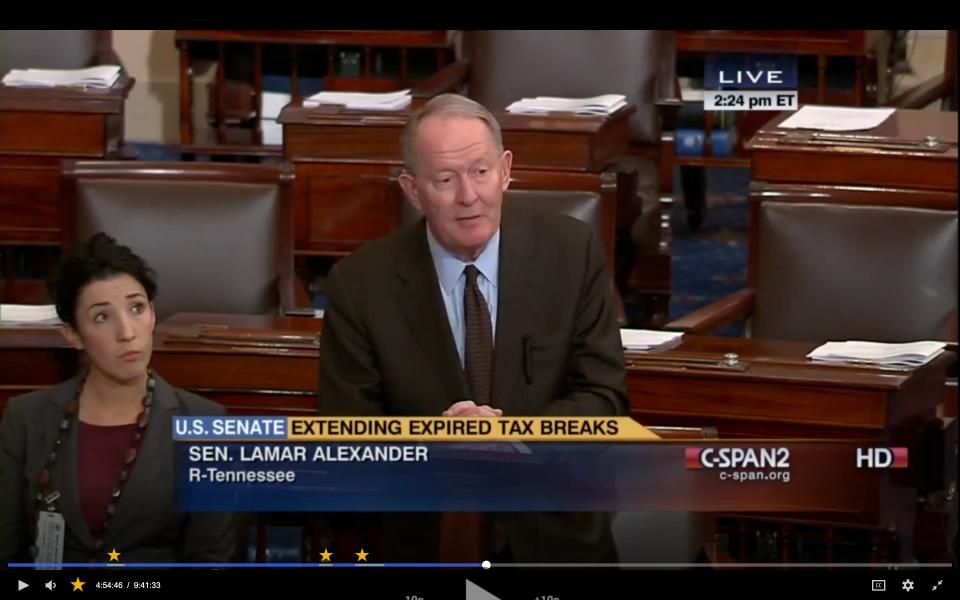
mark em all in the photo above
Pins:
pixel 711 263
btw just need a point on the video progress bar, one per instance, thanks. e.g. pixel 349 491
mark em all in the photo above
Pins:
pixel 481 565
pixel 218 565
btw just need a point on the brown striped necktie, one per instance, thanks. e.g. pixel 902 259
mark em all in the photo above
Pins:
pixel 478 351
pixel 462 533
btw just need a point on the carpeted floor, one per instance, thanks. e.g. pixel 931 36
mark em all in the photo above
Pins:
pixel 711 263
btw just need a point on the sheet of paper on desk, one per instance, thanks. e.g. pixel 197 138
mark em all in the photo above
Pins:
pixel 103 76
pixel 362 100
pixel 28 314
pixel 836 118
pixel 647 339
pixel 596 105
pixel 912 354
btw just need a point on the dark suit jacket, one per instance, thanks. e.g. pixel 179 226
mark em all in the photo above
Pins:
pixel 387 347
pixel 147 526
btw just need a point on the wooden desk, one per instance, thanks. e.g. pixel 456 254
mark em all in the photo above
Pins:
pixel 39 128
pixel 270 365
pixel 263 365
pixel 239 102
pixel 894 156
pixel 774 391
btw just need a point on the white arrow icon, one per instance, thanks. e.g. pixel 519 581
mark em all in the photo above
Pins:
pixel 21 585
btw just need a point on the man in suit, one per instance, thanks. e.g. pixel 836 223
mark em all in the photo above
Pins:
pixel 478 309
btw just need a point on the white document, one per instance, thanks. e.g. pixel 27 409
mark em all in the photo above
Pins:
pixel 647 339
pixel 836 118
pixel 596 105
pixel 362 100
pixel 102 76
pixel 28 314
pixel 912 354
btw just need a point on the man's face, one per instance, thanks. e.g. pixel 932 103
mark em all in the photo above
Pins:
pixel 459 182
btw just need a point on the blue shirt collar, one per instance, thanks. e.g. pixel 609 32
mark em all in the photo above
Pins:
pixel 450 268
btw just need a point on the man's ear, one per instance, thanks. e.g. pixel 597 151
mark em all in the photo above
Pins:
pixel 410 190
pixel 506 161
pixel 70 334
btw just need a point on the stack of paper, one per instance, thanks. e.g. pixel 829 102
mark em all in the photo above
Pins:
pixel 26 314
pixel 911 354
pixel 646 339
pixel 598 105
pixel 103 76
pixel 362 100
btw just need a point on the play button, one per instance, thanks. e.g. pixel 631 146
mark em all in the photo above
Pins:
pixel 475 592
pixel 21 585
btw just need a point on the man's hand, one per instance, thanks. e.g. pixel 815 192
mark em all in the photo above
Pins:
pixel 467 408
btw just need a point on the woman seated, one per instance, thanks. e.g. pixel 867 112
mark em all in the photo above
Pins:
pixel 87 468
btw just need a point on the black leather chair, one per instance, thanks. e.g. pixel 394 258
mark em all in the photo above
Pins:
pixel 842 262
pixel 218 235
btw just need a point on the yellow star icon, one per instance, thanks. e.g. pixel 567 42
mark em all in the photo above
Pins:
pixel 78 585
pixel 325 556
pixel 114 555
pixel 361 555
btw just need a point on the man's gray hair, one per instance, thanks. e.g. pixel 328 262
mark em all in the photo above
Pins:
pixel 446 105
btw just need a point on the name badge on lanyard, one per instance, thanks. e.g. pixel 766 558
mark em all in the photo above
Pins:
pixel 51 530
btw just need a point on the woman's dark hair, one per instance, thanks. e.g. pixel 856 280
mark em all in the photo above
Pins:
pixel 100 257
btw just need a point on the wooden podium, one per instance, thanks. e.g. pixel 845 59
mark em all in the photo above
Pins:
pixel 39 128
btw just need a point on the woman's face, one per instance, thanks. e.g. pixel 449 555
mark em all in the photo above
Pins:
pixel 114 326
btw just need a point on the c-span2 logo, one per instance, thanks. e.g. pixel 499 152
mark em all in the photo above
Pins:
pixel 737 458
pixel 881 458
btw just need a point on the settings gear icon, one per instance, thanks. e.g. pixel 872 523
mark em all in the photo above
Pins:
pixel 907 585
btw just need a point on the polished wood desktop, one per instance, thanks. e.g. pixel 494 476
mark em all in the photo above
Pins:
pixel 912 149
pixel 758 388
pixel 743 387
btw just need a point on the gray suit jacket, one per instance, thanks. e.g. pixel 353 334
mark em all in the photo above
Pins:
pixel 387 347
pixel 147 526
